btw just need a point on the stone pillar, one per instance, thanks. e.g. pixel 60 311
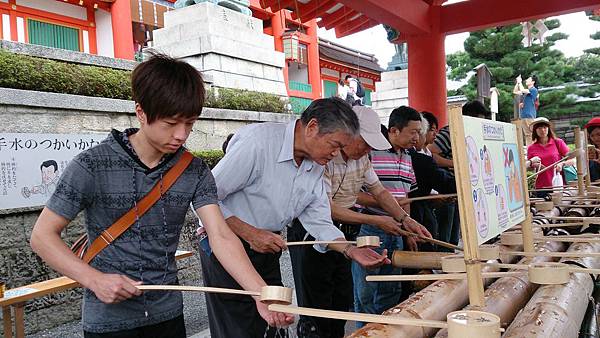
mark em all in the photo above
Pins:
pixel 427 75
pixel 120 13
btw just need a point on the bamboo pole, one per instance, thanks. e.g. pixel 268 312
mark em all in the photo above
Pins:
pixel 588 176
pixel 508 295
pixel 558 310
pixel 197 289
pixel 426 198
pixel 526 225
pixel 433 302
pixel 570 218
pixel 430 240
pixel 552 254
pixel 567 157
pixel 359 317
pixel 418 259
pixel 438 276
pixel 580 161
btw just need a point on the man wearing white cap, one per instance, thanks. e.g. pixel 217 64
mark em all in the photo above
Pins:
pixel 324 280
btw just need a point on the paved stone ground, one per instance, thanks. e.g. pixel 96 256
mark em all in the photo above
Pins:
pixel 194 305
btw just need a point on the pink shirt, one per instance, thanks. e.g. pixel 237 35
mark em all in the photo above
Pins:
pixel 553 151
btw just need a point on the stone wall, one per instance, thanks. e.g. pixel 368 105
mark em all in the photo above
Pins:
pixel 66 55
pixel 37 112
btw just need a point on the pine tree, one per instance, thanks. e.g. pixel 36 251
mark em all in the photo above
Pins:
pixel 502 50
pixel 594 36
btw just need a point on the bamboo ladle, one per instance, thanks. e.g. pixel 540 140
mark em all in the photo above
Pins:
pixel 362 241
pixel 268 294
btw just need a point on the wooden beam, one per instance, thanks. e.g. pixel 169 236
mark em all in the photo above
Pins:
pixel 343 28
pixel 407 16
pixel 473 15
pixel 312 10
pixel 328 21
pixel 368 24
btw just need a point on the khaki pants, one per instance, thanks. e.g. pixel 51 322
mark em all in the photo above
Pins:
pixel 525 126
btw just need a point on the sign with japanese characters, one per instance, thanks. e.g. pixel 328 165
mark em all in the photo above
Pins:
pixel 30 165
pixel 495 175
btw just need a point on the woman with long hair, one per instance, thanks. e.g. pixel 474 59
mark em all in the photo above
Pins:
pixel 548 149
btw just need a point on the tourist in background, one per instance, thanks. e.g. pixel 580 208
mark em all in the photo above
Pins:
pixel 549 149
pixel 528 104
pixel 342 92
pixel 593 131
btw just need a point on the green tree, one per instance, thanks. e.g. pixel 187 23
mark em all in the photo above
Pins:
pixel 594 36
pixel 502 50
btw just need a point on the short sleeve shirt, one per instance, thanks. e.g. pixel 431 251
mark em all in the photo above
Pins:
pixel 344 179
pixel 528 111
pixel 104 182
pixel 553 151
pixel 395 172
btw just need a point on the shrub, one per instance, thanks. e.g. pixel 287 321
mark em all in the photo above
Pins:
pixel 228 98
pixel 32 73
pixel 210 157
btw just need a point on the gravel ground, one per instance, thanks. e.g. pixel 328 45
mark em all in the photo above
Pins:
pixel 194 307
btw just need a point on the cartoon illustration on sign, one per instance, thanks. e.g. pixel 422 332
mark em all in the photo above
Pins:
pixel 488 170
pixel 473 156
pixel 50 175
pixel 501 206
pixel 512 172
pixel 481 212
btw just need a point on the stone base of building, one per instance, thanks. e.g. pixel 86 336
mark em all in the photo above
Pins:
pixel 228 47
pixel 390 93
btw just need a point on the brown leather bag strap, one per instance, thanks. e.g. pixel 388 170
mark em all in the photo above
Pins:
pixel 122 224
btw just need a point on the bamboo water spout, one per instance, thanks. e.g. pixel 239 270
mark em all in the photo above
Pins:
pixel 558 310
pixel 507 295
pixel 434 303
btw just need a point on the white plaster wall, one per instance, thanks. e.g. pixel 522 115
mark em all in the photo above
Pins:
pixel 104 34
pixel 56 7
pixel 6 27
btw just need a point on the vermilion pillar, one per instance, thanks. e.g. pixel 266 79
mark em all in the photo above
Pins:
pixel 120 13
pixel 427 75
pixel 314 69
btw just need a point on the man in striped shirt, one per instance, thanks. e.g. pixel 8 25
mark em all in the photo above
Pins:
pixel 394 169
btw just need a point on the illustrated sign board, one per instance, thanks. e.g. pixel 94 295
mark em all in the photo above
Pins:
pixel 30 165
pixel 495 176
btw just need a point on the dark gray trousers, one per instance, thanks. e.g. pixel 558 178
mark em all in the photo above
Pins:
pixel 236 316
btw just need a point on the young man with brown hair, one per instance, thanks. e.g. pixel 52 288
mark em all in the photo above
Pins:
pixel 108 180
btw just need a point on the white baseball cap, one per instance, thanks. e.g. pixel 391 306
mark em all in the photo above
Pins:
pixel 370 128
